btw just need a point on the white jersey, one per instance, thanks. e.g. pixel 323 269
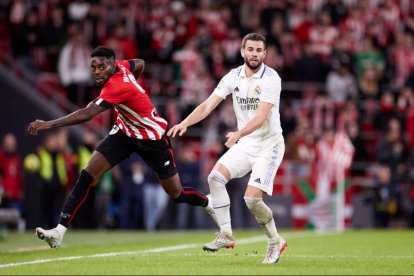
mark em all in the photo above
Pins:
pixel 264 86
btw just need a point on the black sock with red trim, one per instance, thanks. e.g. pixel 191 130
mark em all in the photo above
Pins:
pixel 76 198
pixel 191 196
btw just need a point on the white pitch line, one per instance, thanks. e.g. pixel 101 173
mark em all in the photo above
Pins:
pixel 157 250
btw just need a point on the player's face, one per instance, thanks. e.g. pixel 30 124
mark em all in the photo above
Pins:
pixel 102 69
pixel 253 54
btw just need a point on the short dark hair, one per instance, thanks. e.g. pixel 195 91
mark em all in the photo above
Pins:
pixel 254 37
pixel 103 51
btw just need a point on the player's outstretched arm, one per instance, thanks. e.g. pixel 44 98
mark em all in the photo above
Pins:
pixel 76 117
pixel 198 114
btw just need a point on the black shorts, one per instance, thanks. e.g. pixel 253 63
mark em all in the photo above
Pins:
pixel 158 154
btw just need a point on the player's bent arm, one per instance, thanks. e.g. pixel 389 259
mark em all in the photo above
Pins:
pixel 139 65
pixel 262 113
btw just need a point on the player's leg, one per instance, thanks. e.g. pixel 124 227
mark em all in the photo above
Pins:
pixel 96 167
pixel 234 163
pixel 261 182
pixel 109 152
pixel 219 208
pixel 160 157
pixel 179 194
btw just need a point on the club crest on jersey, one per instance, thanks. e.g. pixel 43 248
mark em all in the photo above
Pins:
pixel 257 90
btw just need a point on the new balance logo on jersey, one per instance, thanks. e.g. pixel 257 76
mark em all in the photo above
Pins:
pixel 257 180
pixel 236 89
pixel 166 163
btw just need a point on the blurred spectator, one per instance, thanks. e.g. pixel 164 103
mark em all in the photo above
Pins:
pixel 368 84
pixel 402 56
pixel 131 193
pixel 300 145
pixel 322 35
pixel 341 84
pixel 189 168
pixel 287 45
pixel 274 58
pixel 387 110
pixel 288 120
pixel 122 43
pixel 215 60
pixel 354 133
pixel 368 56
pixel 336 10
pixel 384 205
pixel 33 191
pixel 353 26
pixel 231 45
pixel 310 67
pixel 323 114
pixel 195 89
pixel 78 10
pixel 11 186
pixel 155 201
pixel 187 58
pixel 74 66
pixel 49 164
pixel 392 150
pixel 54 33
pixel 28 42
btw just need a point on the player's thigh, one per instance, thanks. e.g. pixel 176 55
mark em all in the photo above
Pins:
pixel 265 167
pixel 115 148
pixel 237 161
pixel 159 155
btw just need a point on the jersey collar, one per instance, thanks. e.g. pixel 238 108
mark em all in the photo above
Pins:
pixel 257 75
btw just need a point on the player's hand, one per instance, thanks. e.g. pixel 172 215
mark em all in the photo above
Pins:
pixel 180 129
pixel 233 137
pixel 37 125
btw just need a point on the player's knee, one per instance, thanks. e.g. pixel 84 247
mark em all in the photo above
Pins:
pixel 259 209
pixel 216 180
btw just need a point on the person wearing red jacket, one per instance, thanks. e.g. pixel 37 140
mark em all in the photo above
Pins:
pixel 10 173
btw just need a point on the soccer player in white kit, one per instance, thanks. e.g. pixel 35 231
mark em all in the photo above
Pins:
pixel 257 145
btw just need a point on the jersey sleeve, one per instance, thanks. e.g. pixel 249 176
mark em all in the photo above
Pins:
pixel 223 88
pixel 128 64
pixel 110 95
pixel 272 90
pixel 103 103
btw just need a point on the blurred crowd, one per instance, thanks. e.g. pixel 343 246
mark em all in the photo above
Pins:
pixel 346 65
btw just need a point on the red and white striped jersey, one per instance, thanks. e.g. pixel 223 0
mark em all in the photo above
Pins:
pixel 136 115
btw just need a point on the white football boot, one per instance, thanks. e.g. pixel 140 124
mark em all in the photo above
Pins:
pixel 53 237
pixel 223 240
pixel 274 251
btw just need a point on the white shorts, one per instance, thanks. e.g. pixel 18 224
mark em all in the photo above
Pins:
pixel 263 162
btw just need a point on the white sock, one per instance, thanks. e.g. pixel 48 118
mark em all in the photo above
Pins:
pixel 61 229
pixel 264 217
pixel 210 210
pixel 221 201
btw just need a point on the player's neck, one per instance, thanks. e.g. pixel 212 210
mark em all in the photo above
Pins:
pixel 250 72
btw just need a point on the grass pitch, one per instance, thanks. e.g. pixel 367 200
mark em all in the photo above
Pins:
pixel 179 253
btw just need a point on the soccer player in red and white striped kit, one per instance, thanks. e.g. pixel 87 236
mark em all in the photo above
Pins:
pixel 138 129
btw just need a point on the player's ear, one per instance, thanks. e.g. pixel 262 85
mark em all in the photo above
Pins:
pixel 242 52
